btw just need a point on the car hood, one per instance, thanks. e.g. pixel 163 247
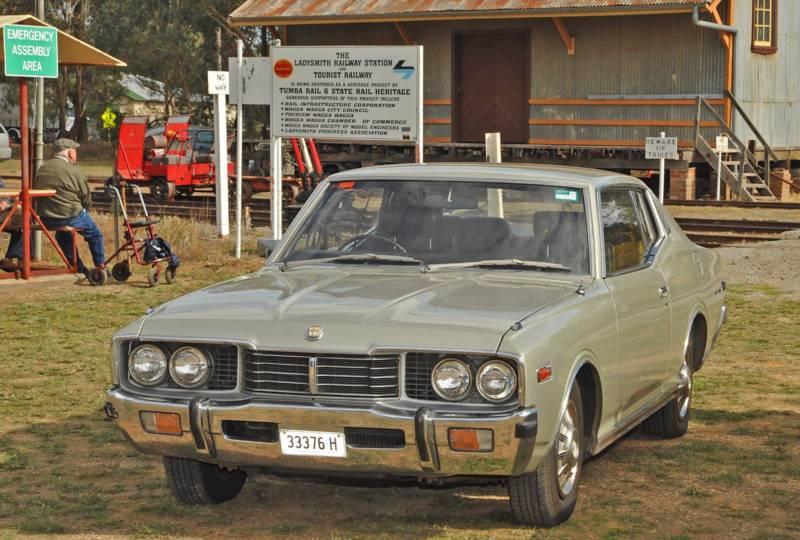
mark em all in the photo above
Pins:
pixel 359 309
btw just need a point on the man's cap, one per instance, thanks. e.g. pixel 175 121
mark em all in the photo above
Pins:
pixel 64 144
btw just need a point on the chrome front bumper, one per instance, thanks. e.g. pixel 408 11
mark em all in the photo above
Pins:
pixel 426 452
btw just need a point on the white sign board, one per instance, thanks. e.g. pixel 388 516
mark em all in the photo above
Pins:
pixel 661 148
pixel 218 82
pixel 257 80
pixel 359 93
pixel 722 143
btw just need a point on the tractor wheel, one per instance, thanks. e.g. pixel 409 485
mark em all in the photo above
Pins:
pixel 170 274
pixel 153 275
pixel 161 190
pixel 121 271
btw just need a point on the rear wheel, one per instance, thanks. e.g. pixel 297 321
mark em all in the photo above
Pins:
pixel 121 271
pixel 170 274
pixel 97 276
pixel 193 482
pixel 672 420
pixel 547 496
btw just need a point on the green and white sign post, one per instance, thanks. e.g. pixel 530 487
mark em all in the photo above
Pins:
pixel 29 51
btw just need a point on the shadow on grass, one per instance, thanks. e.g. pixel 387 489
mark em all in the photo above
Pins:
pixel 82 477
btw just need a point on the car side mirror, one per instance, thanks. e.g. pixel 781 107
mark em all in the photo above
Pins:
pixel 266 246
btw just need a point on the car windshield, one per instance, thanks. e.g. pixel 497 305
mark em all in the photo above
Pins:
pixel 448 223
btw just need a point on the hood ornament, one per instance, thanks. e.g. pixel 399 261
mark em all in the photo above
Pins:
pixel 314 333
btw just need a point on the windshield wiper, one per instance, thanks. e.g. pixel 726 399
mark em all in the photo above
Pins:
pixel 515 264
pixel 364 258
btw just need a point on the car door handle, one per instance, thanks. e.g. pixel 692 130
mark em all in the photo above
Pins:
pixel 663 292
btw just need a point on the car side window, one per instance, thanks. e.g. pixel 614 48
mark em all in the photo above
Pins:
pixel 649 229
pixel 624 237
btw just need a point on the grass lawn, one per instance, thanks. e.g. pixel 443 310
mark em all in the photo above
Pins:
pixel 64 468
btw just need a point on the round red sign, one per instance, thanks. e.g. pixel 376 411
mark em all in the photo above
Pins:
pixel 283 69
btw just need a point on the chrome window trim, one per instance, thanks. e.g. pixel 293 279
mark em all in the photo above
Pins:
pixel 654 250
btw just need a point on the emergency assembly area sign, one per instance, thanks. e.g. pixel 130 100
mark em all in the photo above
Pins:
pixel 355 93
pixel 30 51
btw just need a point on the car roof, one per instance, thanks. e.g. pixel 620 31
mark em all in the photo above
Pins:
pixel 526 173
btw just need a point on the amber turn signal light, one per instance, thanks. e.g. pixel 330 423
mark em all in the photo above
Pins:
pixel 471 440
pixel 161 423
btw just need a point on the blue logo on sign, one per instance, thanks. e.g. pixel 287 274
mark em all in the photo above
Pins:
pixel 404 71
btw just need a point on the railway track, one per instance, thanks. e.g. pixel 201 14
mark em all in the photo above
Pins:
pixel 706 232
pixel 736 204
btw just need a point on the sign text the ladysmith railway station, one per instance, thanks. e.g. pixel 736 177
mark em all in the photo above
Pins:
pixel 356 93
pixel 30 51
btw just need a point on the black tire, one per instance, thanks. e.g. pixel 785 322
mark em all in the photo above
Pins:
pixel 153 274
pixel 170 274
pixel 121 271
pixel 194 483
pixel 97 277
pixel 538 498
pixel 672 420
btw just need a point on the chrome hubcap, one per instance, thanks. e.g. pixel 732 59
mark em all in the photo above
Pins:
pixel 686 390
pixel 568 452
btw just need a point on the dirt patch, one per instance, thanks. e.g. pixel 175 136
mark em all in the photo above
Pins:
pixel 773 264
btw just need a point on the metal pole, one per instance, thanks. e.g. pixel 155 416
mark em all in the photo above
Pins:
pixel 494 197
pixel 719 171
pixel 239 130
pixel 276 191
pixel 26 178
pixel 420 113
pixel 221 151
pixel 39 153
pixel 661 175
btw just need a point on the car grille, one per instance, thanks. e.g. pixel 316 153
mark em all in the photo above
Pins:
pixel 225 370
pixel 324 374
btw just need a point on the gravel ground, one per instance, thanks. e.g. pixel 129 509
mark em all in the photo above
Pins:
pixel 776 264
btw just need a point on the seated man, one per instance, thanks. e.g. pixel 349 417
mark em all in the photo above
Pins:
pixel 12 228
pixel 69 207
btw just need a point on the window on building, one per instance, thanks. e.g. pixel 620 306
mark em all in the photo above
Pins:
pixel 765 39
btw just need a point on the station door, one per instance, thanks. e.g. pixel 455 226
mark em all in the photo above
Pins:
pixel 491 86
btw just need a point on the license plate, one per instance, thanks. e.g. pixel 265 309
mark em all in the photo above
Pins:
pixel 313 443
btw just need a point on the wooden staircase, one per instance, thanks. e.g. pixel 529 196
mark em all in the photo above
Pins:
pixel 741 171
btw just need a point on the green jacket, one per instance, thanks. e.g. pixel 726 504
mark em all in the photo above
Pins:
pixel 72 190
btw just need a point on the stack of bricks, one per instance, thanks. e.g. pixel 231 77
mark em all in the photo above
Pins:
pixel 779 184
pixel 682 184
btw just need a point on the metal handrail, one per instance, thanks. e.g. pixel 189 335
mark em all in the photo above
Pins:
pixel 750 124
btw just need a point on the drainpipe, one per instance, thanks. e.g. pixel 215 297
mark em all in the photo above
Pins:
pixel 713 26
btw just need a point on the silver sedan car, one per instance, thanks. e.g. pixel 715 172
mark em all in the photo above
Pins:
pixel 448 323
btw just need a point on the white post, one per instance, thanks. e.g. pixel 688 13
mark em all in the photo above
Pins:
pixel 661 175
pixel 276 158
pixel 719 171
pixel 239 130
pixel 494 197
pixel 221 153
pixel 420 150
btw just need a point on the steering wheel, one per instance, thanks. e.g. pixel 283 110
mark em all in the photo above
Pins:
pixel 356 239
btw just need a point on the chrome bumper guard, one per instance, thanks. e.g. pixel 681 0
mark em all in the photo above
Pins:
pixel 426 451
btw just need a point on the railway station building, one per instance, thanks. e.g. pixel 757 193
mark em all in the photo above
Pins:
pixel 583 82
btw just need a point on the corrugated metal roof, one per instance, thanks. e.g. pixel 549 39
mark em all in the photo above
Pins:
pixel 263 12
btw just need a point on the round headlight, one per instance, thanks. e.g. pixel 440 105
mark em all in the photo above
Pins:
pixel 496 381
pixel 451 379
pixel 147 365
pixel 189 367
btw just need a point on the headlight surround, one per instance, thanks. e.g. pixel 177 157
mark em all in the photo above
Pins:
pixel 496 381
pixel 451 379
pixel 147 365
pixel 189 367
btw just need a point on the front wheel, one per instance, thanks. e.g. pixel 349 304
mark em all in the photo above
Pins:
pixel 193 482
pixel 547 496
